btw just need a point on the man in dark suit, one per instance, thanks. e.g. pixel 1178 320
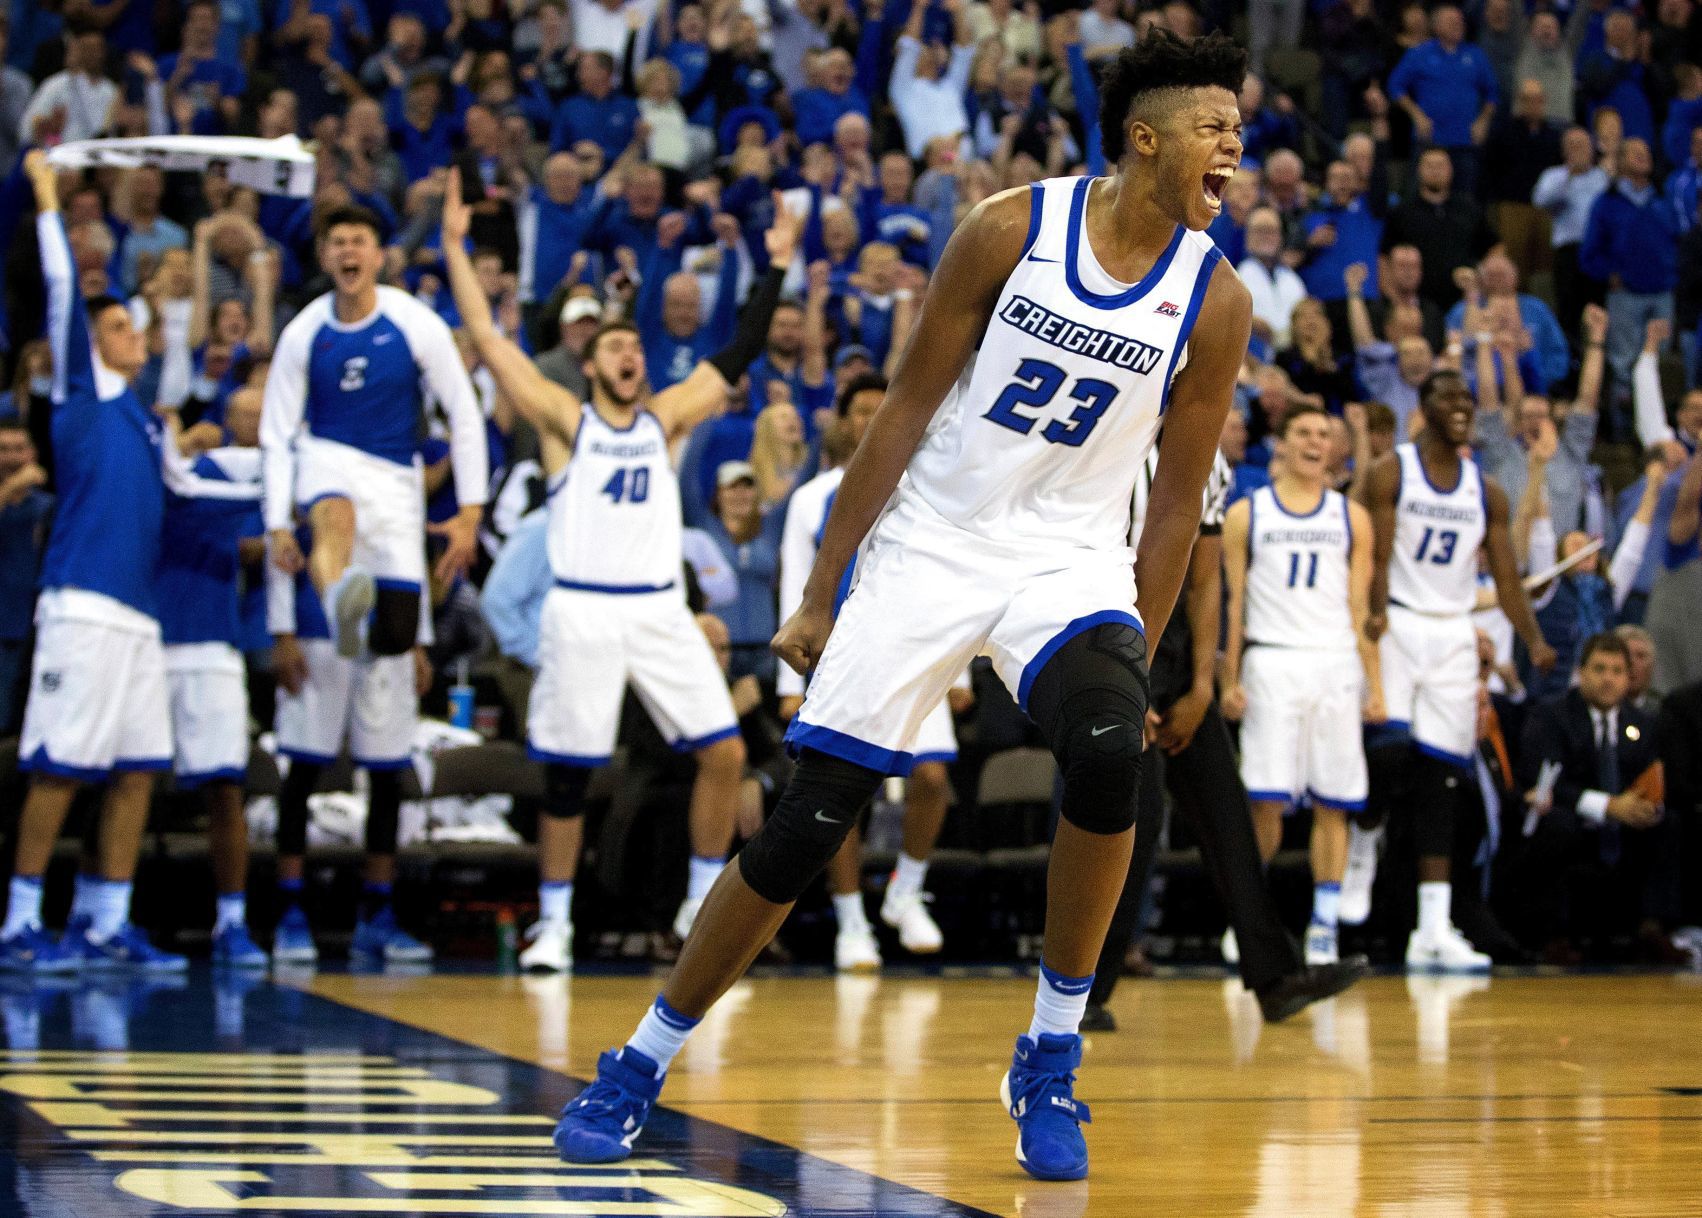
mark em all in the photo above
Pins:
pixel 1602 831
pixel 1679 728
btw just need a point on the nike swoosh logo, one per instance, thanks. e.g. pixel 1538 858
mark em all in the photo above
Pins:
pixel 1100 731
pixel 826 820
pixel 1038 258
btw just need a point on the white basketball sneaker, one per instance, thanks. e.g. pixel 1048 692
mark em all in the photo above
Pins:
pixel 686 917
pixel 918 933
pixel 1320 944
pixel 1444 952
pixel 551 948
pixel 1363 846
pixel 1230 948
pixel 855 950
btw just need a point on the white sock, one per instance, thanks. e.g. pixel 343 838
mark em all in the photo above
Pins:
pixel 702 876
pixel 82 892
pixel 24 908
pixel 848 908
pixel 109 906
pixel 233 911
pixel 1059 1003
pixel 555 902
pixel 1434 899
pixel 907 877
pixel 661 1033
pixel 1326 902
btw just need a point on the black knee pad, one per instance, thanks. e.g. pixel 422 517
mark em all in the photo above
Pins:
pixel 1438 786
pixel 383 810
pixel 564 790
pixel 815 816
pixel 302 781
pixel 395 621
pixel 1090 703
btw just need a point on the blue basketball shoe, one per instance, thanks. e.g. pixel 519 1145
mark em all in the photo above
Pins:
pixel 33 950
pixel 602 1121
pixel 235 948
pixel 1038 1091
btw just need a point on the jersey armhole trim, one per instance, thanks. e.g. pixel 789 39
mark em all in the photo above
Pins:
pixel 1036 207
pixel 1202 281
pixel 1347 523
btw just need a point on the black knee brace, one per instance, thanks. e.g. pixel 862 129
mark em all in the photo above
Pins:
pixel 564 790
pixel 816 814
pixel 1090 703
pixel 395 621
pixel 1436 791
pixel 302 781
pixel 383 810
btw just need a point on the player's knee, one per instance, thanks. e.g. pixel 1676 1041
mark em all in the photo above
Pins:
pixel 724 760
pixel 333 515
pixel 395 621
pixel 817 813
pixel 1100 758
pixel 564 790
pixel 928 781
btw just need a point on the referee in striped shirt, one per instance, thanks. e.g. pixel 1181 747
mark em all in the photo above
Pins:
pixel 1199 763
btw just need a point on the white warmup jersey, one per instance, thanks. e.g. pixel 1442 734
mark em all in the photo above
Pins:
pixel 1301 672
pixel 1297 573
pixel 615 510
pixel 1433 568
pixel 1041 438
pixel 1429 652
pixel 1009 534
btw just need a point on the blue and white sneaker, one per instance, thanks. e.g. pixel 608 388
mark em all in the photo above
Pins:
pixel 234 947
pixel 128 948
pixel 350 599
pixel 382 938
pixel 602 1121
pixel 1038 1091
pixel 33 950
pixel 292 941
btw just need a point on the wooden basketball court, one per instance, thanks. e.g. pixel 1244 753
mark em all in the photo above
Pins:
pixel 1539 1095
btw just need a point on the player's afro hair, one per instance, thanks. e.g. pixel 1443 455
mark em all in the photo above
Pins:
pixel 1158 62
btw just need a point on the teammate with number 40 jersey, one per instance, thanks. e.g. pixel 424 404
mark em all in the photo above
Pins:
pixel 1431 509
pixel 1297 563
pixel 991 501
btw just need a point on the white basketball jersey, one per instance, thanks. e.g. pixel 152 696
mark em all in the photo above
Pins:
pixel 1437 534
pixel 1042 437
pixel 1297 573
pixel 615 510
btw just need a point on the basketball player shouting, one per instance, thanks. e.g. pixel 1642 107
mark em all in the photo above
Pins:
pixel 993 487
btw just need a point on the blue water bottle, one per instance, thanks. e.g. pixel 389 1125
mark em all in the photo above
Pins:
pixel 461 698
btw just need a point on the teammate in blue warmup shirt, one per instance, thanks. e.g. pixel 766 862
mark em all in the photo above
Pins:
pixel 617 613
pixel 344 414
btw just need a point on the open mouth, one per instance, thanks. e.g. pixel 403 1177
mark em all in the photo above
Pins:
pixel 1212 184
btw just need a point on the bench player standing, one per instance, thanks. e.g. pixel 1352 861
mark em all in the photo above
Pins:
pixel 927 787
pixel 1297 563
pixel 1431 509
pixel 1066 320
pixel 340 429
pixel 617 612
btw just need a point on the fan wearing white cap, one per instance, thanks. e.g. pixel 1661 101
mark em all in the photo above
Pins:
pixel 580 317
pixel 617 614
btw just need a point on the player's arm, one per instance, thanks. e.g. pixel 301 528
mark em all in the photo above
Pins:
pixel 282 409
pixel 1382 488
pixel 797 553
pixel 978 259
pixel 67 322
pixel 1199 402
pixel 469 456
pixel 1359 564
pixel 1204 599
pixel 289 662
pixel 545 404
pixel 1235 526
pixel 1504 567
pixel 683 406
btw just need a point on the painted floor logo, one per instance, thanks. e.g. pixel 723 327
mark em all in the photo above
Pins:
pixel 237 1132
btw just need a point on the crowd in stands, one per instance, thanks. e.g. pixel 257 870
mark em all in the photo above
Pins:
pixel 1511 190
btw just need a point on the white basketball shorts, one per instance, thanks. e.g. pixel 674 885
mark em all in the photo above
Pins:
pixel 592 644
pixel 97 699
pixel 936 739
pixel 369 703
pixel 1430 681
pixel 389 503
pixel 929 598
pixel 1301 734
pixel 209 712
